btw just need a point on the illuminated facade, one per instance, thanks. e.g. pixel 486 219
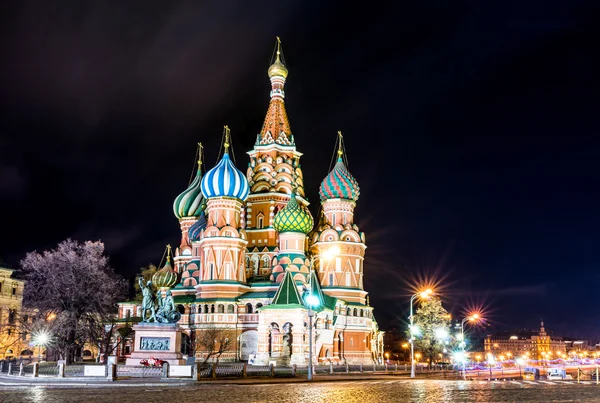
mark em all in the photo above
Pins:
pixel 14 340
pixel 248 245
pixel 537 346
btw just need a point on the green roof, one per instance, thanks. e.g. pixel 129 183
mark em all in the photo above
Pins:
pixel 287 294
pixel 257 294
pixel 183 299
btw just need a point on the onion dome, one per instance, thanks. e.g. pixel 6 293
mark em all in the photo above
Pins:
pixel 165 277
pixel 293 218
pixel 225 180
pixel 278 69
pixel 189 202
pixel 339 184
pixel 197 227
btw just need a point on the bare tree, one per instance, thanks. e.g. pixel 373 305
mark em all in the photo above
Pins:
pixel 108 333
pixel 213 341
pixel 75 283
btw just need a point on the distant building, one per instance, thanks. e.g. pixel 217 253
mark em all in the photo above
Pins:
pixel 14 339
pixel 537 345
pixel 576 346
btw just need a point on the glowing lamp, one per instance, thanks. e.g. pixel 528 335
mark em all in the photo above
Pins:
pixel 441 334
pixel 312 300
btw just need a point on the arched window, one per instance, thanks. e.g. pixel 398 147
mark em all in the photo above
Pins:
pixel 360 313
pixel 212 308
pixel 330 279
pixel 11 316
pixel 212 270
pixel 205 308
pixel 266 261
pixel 259 305
pixel 248 307
pixel 259 222
pixel 230 308
pixel 221 309
pixel 348 279
pixel 348 312
pixel 355 312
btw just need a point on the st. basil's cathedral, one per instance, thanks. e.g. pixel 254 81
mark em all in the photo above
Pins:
pixel 250 254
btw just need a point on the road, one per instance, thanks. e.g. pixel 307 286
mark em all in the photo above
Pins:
pixel 330 392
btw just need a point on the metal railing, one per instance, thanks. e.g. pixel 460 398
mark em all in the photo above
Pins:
pixel 138 371
pixel 74 370
pixel 48 370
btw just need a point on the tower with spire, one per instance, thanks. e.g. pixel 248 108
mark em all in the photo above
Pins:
pixel 274 169
pixel 222 243
pixel 341 277
pixel 188 208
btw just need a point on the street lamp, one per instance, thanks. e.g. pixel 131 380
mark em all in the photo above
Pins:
pixel 472 318
pixel 423 294
pixel 41 339
pixel 313 301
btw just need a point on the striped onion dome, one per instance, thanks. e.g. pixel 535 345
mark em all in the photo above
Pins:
pixel 189 203
pixel 197 227
pixel 339 184
pixel 165 277
pixel 293 218
pixel 225 180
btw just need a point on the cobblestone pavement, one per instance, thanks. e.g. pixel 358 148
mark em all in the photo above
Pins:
pixel 331 392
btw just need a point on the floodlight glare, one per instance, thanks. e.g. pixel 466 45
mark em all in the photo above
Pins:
pixel 312 300
pixel 441 333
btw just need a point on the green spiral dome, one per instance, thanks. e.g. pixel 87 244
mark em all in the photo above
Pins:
pixel 293 218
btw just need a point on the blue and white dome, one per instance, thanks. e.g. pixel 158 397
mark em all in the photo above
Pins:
pixel 197 227
pixel 225 180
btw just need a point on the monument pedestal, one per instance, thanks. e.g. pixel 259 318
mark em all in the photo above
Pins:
pixel 157 340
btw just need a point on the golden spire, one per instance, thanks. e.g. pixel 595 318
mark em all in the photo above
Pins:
pixel 169 254
pixel 200 148
pixel 340 152
pixel 227 140
pixel 278 68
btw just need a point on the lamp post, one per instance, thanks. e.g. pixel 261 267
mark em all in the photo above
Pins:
pixel 424 294
pixel 313 300
pixel 471 318
pixel 41 339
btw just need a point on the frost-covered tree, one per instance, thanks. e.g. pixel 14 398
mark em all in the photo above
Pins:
pixel 432 323
pixel 74 286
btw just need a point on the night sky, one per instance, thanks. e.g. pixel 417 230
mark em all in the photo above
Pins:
pixel 472 129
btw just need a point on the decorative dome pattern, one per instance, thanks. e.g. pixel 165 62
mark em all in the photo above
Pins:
pixel 165 277
pixel 293 218
pixel 339 184
pixel 189 202
pixel 225 180
pixel 197 227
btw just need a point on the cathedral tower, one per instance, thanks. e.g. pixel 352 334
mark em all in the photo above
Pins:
pixel 273 171
pixel 222 243
pixel 341 277
pixel 188 207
